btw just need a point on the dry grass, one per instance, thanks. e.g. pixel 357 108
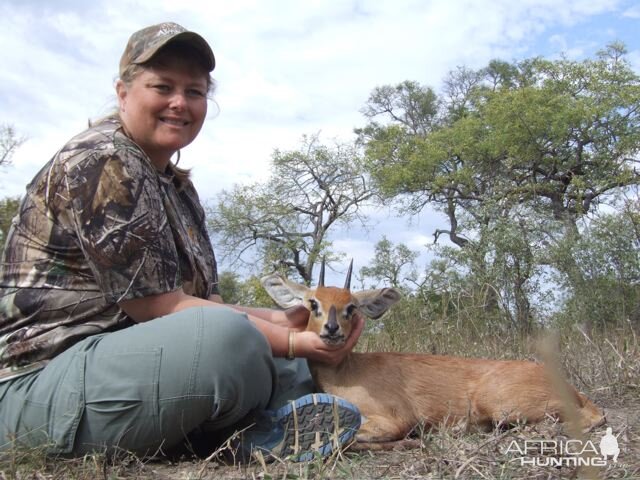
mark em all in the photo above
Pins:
pixel 603 364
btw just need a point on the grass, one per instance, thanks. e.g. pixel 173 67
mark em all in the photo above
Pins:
pixel 605 364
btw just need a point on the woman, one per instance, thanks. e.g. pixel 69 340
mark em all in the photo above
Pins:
pixel 112 331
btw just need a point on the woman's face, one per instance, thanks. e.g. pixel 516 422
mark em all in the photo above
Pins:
pixel 164 107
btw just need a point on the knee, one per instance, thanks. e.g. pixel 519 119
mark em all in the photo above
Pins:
pixel 233 333
pixel 234 346
pixel 235 361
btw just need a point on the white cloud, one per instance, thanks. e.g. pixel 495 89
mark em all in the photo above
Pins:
pixel 632 12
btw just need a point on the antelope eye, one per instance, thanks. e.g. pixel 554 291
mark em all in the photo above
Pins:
pixel 313 305
pixel 350 309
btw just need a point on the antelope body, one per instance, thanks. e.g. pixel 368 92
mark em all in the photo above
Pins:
pixel 397 391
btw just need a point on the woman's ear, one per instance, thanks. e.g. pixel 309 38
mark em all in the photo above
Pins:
pixel 121 92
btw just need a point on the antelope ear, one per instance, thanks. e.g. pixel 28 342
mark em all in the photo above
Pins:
pixel 374 303
pixel 285 293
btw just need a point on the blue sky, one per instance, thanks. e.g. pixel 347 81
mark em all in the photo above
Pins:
pixel 285 68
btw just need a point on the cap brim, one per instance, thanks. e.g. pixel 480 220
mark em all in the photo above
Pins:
pixel 190 38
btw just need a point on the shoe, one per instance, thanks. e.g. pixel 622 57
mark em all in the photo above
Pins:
pixel 311 426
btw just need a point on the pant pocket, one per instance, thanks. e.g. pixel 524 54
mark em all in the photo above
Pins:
pixel 68 406
pixel 121 402
pixel 43 409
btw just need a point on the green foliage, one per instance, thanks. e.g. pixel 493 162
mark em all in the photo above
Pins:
pixel 561 142
pixel 409 104
pixel 600 270
pixel 231 288
pixel 248 292
pixel 389 263
pixel 514 155
pixel 9 143
pixel 9 207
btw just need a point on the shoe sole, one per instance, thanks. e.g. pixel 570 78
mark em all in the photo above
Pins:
pixel 316 425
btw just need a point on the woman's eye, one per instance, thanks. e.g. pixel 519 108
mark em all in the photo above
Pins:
pixel 162 88
pixel 195 93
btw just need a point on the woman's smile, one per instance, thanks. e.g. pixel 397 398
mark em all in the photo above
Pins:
pixel 175 122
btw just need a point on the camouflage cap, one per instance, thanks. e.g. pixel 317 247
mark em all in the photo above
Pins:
pixel 145 43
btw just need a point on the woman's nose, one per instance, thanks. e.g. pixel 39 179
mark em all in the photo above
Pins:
pixel 178 101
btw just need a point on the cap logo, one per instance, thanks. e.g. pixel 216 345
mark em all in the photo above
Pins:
pixel 145 43
pixel 170 29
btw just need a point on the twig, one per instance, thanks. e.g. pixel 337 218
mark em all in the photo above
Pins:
pixel 617 353
pixel 478 448
pixel 463 466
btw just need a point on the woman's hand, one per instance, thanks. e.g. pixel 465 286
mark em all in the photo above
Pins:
pixel 296 318
pixel 311 346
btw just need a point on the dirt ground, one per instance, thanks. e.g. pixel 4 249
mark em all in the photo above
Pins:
pixel 445 454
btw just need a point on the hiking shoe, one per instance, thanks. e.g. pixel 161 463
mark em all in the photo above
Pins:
pixel 313 425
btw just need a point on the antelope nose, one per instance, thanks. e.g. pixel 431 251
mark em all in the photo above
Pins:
pixel 332 328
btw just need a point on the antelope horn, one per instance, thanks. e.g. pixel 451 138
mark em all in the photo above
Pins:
pixel 347 283
pixel 321 277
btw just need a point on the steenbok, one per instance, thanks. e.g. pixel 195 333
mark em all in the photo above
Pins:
pixel 395 392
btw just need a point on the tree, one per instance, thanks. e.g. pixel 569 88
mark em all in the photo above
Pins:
pixel 537 140
pixel 563 136
pixel 8 209
pixel 9 143
pixel 389 263
pixel 285 222
pixel 600 270
pixel 236 291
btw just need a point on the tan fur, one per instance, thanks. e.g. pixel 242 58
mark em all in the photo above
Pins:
pixel 397 391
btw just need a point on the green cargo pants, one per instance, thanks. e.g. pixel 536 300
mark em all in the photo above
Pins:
pixel 146 387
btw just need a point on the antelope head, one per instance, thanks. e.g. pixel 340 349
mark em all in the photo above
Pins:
pixel 331 308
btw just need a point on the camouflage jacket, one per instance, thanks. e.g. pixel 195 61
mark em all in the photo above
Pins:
pixel 99 224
